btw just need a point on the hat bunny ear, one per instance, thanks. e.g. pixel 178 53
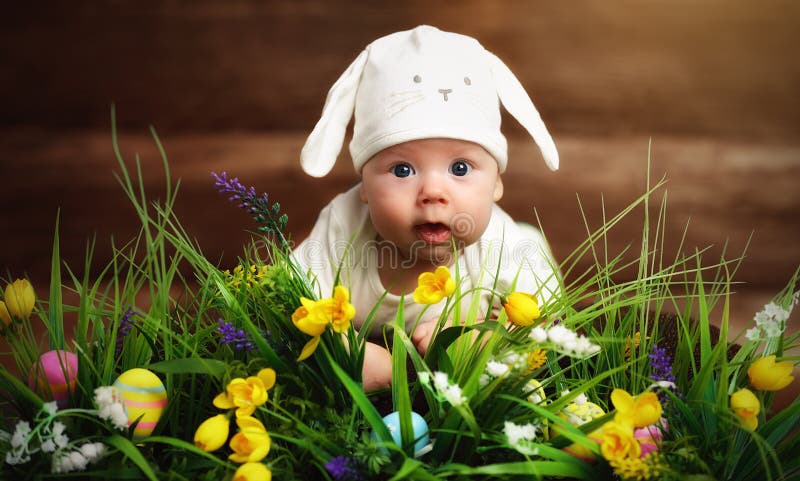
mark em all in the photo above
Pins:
pixel 325 142
pixel 520 106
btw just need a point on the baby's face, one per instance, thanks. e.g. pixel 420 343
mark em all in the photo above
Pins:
pixel 424 193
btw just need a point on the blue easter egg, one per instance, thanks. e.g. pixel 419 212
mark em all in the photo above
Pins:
pixel 420 429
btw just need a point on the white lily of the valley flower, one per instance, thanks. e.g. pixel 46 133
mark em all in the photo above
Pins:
pixel 450 392
pixel 59 437
pixel 110 407
pixel 50 407
pixel 93 451
pixel 538 334
pixel 20 436
pixel 496 369
pixel 520 437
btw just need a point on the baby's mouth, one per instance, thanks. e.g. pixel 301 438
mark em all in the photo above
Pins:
pixel 433 233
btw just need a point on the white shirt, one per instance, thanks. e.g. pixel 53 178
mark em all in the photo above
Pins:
pixel 343 242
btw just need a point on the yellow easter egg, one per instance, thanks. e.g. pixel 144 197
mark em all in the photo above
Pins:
pixel 578 413
pixel 145 399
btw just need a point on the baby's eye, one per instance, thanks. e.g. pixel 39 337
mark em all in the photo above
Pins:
pixel 402 170
pixel 460 168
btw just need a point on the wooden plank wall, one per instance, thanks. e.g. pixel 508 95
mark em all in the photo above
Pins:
pixel 237 85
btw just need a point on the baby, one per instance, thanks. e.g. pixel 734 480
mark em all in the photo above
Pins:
pixel 428 147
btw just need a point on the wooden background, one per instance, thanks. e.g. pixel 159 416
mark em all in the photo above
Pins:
pixel 237 86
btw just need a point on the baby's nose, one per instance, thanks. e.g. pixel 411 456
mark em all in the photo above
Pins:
pixel 444 92
pixel 433 192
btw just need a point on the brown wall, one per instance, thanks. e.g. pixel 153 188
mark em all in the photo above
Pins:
pixel 713 67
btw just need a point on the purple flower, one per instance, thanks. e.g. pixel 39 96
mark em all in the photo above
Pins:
pixel 237 338
pixel 661 365
pixel 247 197
pixel 342 468
pixel 269 217
pixel 661 369
pixel 125 325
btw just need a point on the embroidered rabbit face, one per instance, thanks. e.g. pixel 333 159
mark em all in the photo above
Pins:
pixel 445 85
pixel 421 84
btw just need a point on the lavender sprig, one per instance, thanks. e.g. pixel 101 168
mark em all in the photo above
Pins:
pixel 257 206
pixel 342 468
pixel 661 370
pixel 234 337
pixel 125 326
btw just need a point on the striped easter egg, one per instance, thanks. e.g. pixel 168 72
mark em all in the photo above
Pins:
pixel 145 399
pixel 53 376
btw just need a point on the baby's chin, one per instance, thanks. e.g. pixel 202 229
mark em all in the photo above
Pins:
pixel 415 252
pixel 433 254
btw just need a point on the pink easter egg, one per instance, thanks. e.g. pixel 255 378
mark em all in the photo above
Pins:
pixel 53 376
pixel 650 436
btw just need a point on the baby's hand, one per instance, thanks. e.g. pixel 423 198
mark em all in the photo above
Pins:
pixel 377 370
pixel 421 337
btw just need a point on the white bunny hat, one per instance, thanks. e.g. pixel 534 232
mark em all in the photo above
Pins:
pixel 420 84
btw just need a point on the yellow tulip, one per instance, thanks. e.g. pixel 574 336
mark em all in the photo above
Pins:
pixel 252 472
pixel 4 315
pixel 212 433
pixel 20 298
pixel 617 442
pixel 251 443
pixel 767 375
pixel 434 286
pixel 746 405
pixel 637 412
pixel 246 394
pixel 522 308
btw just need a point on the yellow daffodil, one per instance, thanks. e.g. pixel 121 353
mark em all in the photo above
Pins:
pixel 767 375
pixel 246 394
pixel 746 405
pixel 636 412
pixel 309 319
pixel 212 433
pixel 20 298
pixel 252 472
pixel 617 442
pixel 340 310
pixel 434 286
pixel 522 309
pixel 308 349
pixel 4 315
pixel 312 317
pixel 251 443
